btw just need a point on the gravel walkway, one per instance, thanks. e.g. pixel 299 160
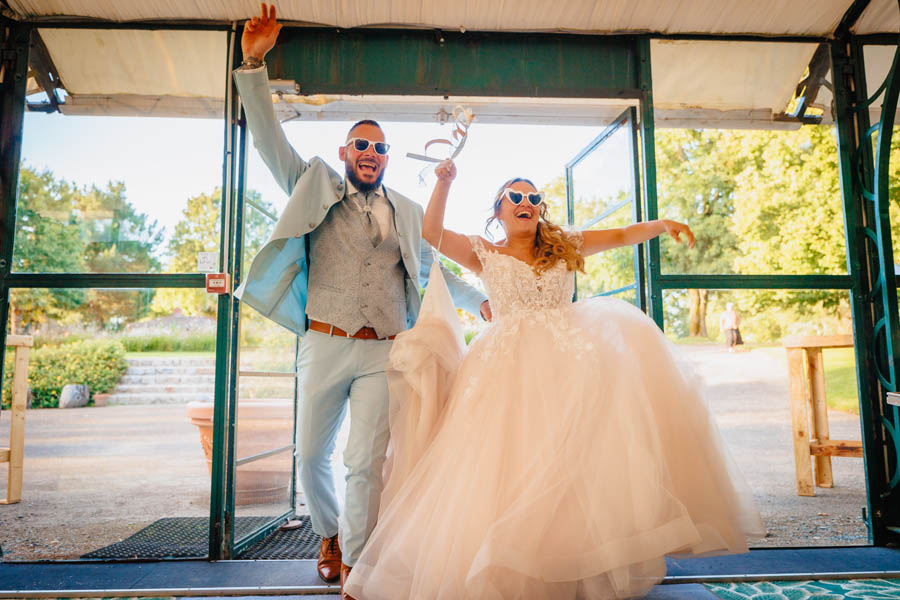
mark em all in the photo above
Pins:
pixel 749 396
pixel 94 476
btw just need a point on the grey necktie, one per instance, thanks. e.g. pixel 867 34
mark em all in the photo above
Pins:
pixel 369 221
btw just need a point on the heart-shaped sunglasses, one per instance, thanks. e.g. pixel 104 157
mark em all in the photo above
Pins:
pixel 534 198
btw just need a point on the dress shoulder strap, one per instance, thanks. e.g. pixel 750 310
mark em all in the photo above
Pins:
pixel 478 247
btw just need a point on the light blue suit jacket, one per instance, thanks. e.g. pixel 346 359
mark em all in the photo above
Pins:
pixel 276 283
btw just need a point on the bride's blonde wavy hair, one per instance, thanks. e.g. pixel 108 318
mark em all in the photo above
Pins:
pixel 551 243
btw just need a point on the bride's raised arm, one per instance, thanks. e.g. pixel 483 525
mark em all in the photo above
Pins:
pixel 454 246
pixel 605 239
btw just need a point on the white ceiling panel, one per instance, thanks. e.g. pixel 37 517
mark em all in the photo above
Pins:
pixel 157 63
pixel 764 17
pixel 179 73
pixel 727 76
pixel 736 84
pixel 881 16
pixel 878 61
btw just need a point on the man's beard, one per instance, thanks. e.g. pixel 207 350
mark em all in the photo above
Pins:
pixel 362 186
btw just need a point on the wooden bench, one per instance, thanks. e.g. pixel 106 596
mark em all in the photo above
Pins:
pixel 14 455
pixel 809 412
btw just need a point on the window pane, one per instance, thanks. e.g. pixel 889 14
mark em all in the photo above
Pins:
pixel 759 202
pixel 127 475
pixel 117 194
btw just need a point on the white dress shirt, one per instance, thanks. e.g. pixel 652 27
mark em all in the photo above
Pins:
pixel 381 208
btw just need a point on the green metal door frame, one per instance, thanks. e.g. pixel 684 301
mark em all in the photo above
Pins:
pixel 627 119
pixel 433 63
pixel 14 40
pixel 221 509
pixel 233 545
pixel 864 185
pixel 648 153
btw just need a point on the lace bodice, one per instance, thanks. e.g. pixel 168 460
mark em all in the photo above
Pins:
pixel 514 288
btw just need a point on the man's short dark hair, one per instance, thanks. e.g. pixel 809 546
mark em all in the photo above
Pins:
pixel 365 122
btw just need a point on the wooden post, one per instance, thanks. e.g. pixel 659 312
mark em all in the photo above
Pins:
pixel 809 411
pixel 815 370
pixel 15 454
pixel 800 423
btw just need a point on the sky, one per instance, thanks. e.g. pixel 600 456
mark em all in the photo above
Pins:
pixel 163 162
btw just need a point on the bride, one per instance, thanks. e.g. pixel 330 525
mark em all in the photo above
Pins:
pixel 565 452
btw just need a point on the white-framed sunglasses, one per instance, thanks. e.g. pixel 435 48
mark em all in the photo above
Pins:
pixel 534 198
pixel 362 144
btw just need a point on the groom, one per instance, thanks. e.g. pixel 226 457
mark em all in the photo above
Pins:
pixel 342 269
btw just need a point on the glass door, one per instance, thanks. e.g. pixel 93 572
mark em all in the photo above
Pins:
pixel 603 191
pixel 265 392
pixel 260 493
pixel 255 377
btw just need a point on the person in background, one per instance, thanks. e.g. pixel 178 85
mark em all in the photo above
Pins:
pixel 729 324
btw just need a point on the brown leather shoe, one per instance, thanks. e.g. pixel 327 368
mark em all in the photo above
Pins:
pixel 345 573
pixel 329 563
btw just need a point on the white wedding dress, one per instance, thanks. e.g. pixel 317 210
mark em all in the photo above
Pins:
pixel 562 455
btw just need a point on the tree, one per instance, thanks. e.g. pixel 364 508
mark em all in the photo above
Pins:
pixel 788 214
pixel 61 228
pixel 199 231
pixel 117 239
pixel 696 172
pixel 48 240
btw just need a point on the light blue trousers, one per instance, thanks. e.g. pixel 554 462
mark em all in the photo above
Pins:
pixel 336 372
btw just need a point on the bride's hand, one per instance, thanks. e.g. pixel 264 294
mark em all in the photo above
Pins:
pixel 676 229
pixel 445 171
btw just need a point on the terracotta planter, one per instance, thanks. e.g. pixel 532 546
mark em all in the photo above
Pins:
pixel 261 425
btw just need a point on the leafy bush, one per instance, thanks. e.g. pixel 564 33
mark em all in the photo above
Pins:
pixel 99 364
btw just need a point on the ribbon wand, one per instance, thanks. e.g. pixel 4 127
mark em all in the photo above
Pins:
pixel 462 119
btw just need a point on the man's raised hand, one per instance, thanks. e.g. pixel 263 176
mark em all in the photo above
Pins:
pixel 260 33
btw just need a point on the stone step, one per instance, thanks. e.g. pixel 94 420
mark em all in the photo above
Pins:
pixel 163 388
pixel 199 379
pixel 150 362
pixel 190 382
pixel 180 398
pixel 184 380
pixel 192 362
pixel 171 370
pixel 158 398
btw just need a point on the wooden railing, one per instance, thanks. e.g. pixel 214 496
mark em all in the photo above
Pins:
pixel 809 412
pixel 15 454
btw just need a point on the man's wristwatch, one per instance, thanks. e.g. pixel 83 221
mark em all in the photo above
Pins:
pixel 251 62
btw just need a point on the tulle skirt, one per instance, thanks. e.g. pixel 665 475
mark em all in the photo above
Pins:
pixel 563 455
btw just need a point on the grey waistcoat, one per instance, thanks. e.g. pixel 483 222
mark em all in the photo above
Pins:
pixel 351 283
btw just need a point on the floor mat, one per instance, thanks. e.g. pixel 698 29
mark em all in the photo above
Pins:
pixel 838 589
pixel 300 543
pixel 188 537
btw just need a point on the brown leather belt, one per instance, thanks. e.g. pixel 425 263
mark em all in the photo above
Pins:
pixel 366 333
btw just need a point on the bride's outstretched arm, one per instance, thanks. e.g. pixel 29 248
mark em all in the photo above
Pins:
pixel 454 246
pixel 605 239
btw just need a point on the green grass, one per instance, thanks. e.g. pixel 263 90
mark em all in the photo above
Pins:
pixel 840 379
pixel 840 376
pixel 692 341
